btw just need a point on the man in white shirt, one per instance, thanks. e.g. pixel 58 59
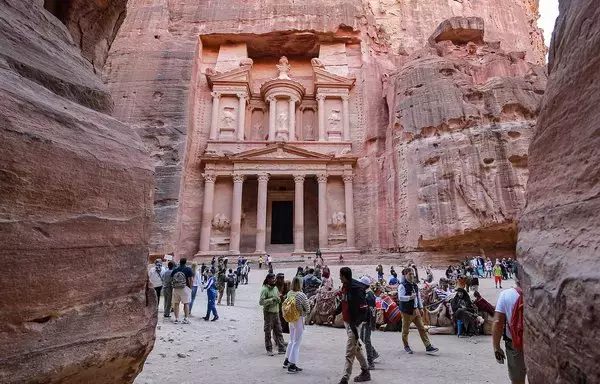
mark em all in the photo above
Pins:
pixel 517 371
pixel 155 277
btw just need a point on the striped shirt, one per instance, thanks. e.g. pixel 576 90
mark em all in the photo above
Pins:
pixel 302 302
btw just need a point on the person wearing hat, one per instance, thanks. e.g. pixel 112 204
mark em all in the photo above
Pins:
pixel 270 300
pixel 365 331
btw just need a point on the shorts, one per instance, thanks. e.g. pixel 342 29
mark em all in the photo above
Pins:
pixel 182 295
pixel 515 360
pixel 498 279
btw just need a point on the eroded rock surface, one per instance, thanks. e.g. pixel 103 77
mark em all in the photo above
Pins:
pixel 76 190
pixel 560 229
pixel 462 116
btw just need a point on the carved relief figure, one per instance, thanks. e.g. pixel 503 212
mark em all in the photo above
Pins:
pixel 309 131
pixel 338 219
pixel 284 68
pixel 282 121
pixel 228 117
pixel 221 222
pixel 257 131
pixel 334 119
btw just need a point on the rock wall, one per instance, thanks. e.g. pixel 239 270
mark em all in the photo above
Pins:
pixel 155 73
pixel 560 229
pixel 76 191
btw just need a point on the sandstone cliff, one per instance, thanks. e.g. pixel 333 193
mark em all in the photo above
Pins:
pixel 75 206
pixel 156 75
pixel 560 229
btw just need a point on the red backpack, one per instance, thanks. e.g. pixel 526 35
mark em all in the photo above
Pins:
pixel 516 322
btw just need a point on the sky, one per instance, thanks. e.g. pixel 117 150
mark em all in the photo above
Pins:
pixel 548 13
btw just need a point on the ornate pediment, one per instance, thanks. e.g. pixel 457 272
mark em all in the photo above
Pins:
pixel 241 76
pixel 280 151
pixel 325 79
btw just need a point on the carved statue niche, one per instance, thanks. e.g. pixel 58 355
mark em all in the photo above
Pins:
pixel 338 220
pixel 229 118
pixel 221 223
pixel 228 123
pixel 284 68
pixel 334 120
pixel 258 128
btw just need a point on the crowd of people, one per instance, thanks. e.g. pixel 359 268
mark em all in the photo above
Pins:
pixel 359 305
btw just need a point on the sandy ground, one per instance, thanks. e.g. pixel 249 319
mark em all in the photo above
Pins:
pixel 231 350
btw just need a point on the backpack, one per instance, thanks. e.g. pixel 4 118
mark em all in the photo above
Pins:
pixel 516 322
pixel 179 280
pixel 289 309
pixel 230 280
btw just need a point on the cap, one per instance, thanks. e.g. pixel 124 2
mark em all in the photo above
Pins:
pixel 365 280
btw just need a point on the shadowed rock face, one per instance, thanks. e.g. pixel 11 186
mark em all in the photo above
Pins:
pixel 76 191
pixel 559 237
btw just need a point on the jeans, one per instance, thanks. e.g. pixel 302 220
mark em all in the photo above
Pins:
pixel 416 319
pixel 353 350
pixel 293 348
pixel 158 289
pixel 194 291
pixel 210 306
pixel 273 325
pixel 231 295
pixel 365 337
pixel 488 274
pixel 168 294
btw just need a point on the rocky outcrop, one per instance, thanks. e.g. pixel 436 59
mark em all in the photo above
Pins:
pixel 461 117
pixel 559 236
pixel 76 190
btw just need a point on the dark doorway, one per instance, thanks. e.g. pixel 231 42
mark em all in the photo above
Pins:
pixel 282 229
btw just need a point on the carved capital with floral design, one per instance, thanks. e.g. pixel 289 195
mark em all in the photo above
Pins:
pixel 322 178
pixel 237 178
pixel 299 179
pixel 348 178
pixel 263 177
pixel 209 177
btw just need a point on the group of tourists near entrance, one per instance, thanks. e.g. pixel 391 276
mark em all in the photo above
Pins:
pixel 360 306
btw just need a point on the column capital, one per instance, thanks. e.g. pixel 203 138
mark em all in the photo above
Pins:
pixel 345 97
pixel 263 177
pixel 348 178
pixel 299 179
pixel 215 94
pixel 293 99
pixel 209 177
pixel 242 95
pixel 320 97
pixel 322 178
pixel 270 99
pixel 238 178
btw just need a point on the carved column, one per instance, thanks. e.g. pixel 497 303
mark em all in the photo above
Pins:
pixel 272 116
pixel 321 107
pixel 346 117
pixel 299 213
pixel 349 200
pixel 292 119
pixel 323 242
pixel 236 214
pixel 207 211
pixel 261 213
pixel 215 116
pixel 241 114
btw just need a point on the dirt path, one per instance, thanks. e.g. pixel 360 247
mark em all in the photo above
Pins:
pixel 231 350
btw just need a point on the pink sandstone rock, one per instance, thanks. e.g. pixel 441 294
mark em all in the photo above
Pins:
pixel 156 72
pixel 559 230
pixel 76 202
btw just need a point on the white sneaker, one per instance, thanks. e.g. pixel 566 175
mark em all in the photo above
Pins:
pixel 185 321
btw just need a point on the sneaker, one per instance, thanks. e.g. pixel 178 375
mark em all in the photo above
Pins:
pixel 375 356
pixel 371 366
pixel 176 321
pixel 286 363
pixel 365 375
pixel 408 350
pixel 185 321
pixel 281 351
pixel 215 318
pixel 294 369
pixel 270 353
pixel 205 318
pixel 343 381
pixel 431 350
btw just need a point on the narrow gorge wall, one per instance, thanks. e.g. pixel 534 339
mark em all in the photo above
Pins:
pixel 76 192
pixel 156 73
pixel 559 237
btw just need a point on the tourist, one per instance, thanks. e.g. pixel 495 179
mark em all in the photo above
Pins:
pixel 379 271
pixel 393 280
pixel 411 306
pixel 483 305
pixel 203 269
pixel 509 267
pixel 416 273
pixel 510 304
pixel 311 283
pixel 488 268
pixel 370 323
pixel 318 254
pixel 245 272
pixel 283 287
pixel 297 327
pixel 318 271
pixel 155 277
pixel 269 261
pixel 498 274
pixel 429 275
pixel 300 272
pixel 221 278
pixel 182 280
pixel 211 292
pixel 269 300
pixel 354 309
pixel 197 282
pixel 504 272
pixel 168 289
pixel 260 262
pixel 393 272
pixel 449 272
pixel 232 283
pixel 212 262
pixel 464 313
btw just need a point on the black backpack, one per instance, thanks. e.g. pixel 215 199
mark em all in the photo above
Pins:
pixel 230 280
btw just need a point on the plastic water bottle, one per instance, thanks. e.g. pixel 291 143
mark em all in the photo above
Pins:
pixel 459 327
